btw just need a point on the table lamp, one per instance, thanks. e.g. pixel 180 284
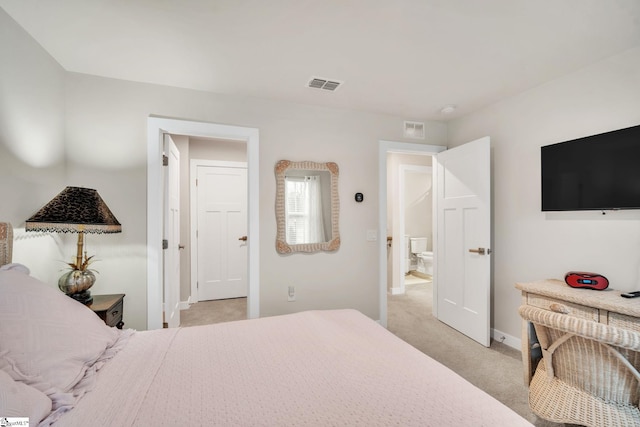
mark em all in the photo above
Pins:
pixel 76 210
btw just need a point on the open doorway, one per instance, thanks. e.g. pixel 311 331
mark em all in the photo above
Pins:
pixel 462 237
pixel 213 230
pixel 392 251
pixel 410 253
pixel 156 128
pixel 411 220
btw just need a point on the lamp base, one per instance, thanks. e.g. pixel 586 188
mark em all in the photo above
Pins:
pixel 76 284
pixel 84 297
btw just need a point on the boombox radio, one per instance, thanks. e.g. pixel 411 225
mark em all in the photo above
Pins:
pixel 581 279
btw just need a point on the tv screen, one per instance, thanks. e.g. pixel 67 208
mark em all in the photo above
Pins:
pixel 598 172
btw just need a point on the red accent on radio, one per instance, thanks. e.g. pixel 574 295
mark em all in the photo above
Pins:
pixel 581 279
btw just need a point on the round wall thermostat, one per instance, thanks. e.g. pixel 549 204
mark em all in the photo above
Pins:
pixel 359 197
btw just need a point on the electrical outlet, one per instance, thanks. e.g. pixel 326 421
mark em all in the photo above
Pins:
pixel 372 235
pixel 292 294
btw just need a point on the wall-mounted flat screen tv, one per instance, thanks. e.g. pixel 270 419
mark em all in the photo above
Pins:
pixel 598 172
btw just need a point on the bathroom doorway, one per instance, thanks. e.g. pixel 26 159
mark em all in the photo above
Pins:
pixel 390 254
pixel 463 183
pixel 409 218
pixel 415 215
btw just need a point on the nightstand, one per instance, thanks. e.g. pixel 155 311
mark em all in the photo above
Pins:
pixel 109 308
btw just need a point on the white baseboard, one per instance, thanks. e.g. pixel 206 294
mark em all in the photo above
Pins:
pixel 185 305
pixel 396 291
pixel 507 339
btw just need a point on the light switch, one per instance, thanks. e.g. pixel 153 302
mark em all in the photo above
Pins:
pixel 372 235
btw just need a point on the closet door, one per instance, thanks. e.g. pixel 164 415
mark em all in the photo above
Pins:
pixel 222 232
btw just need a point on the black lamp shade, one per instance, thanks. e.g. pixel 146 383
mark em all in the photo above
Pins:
pixel 75 210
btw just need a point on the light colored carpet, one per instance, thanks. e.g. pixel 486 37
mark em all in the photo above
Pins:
pixel 208 312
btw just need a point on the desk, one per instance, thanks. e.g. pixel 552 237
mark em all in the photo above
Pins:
pixel 605 306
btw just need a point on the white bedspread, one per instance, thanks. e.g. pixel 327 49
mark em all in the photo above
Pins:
pixel 316 368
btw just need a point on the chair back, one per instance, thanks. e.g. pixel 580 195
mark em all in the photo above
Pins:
pixel 6 243
pixel 599 359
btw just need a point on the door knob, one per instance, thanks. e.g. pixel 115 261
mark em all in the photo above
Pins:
pixel 477 251
pixel 243 238
pixel 180 246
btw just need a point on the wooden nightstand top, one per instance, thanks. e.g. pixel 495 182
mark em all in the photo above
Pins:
pixel 105 302
pixel 109 308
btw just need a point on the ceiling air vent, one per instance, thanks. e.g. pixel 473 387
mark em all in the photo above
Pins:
pixel 318 83
pixel 414 130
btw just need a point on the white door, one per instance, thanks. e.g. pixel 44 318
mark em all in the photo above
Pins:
pixel 172 234
pixel 222 232
pixel 463 265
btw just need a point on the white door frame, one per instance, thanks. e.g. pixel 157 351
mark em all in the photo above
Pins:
pixel 193 198
pixel 385 147
pixel 156 128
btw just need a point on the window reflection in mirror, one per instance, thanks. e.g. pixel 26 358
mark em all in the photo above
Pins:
pixel 307 206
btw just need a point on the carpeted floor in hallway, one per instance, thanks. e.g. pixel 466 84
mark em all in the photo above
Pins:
pixel 217 311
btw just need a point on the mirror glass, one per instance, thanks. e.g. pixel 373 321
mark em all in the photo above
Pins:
pixel 307 206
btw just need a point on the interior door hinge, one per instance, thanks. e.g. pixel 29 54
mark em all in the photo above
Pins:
pixel 165 160
pixel 165 244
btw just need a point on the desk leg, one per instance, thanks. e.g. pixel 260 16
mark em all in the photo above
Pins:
pixel 526 352
pixel 531 352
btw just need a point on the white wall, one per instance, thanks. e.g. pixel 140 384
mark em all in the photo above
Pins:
pixel 418 209
pixel 32 151
pixel 59 128
pixel 90 131
pixel 528 244
pixel 217 149
pixel 109 116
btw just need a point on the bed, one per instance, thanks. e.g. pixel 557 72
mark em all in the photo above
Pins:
pixel 62 366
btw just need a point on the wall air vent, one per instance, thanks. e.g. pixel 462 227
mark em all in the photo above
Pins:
pixel 318 83
pixel 414 130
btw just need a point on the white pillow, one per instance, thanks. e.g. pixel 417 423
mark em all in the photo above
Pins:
pixel 19 400
pixel 16 266
pixel 47 339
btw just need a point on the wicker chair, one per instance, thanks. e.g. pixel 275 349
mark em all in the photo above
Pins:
pixel 589 371
pixel 6 242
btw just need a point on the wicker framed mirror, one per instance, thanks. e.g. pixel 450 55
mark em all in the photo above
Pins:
pixel 307 207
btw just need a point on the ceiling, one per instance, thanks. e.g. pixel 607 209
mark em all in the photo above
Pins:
pixel 408 58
